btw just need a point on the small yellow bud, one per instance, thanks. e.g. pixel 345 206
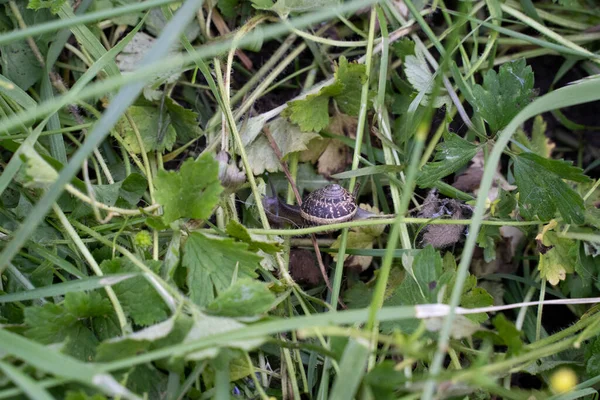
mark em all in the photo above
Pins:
pixel 563 380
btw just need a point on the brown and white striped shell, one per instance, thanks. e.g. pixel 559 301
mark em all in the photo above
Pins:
pixel 331 204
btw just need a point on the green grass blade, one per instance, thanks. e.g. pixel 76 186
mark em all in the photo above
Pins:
pixel 39 356
pixel 60 289
pixel 352 369
pixel 28 385
pixel 39 29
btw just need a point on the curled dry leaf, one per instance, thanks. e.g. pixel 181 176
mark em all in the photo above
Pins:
pixel 441 236
pixel 229 174
pixel 289 139
pixel 331 155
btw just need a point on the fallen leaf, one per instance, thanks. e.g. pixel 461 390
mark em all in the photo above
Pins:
pixel 470 180
pixel 289 139
pixel 334 159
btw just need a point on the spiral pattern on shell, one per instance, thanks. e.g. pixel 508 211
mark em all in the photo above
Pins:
pixel 329 205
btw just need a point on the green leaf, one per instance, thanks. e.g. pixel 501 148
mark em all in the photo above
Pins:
pixel 147 312
pixel 504 94
pixel 86 305
pixel 245 298
pixel 83 396
pixel 148 381
pixel 191 192
pixel 208 325
pixel 48 324
pixel 135 343
pixel 19 64
pixel 486 239
pixel 351 76
pixel 538 143
pixel 453 153
pixel 52 323
pixel 542 190
pixel 476 298
pixel 509 334
pixel 422 80
pixel 212 263
pixel 403 47
pixel 310 114
pixel 157 134
pixel 183 120
pixel 255 242
pixel 133 188
pixel 228 8
pixel 592 358
pixel 384 379
pixel 53 5
pixel 559 260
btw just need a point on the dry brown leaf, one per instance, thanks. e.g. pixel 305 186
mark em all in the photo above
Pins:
pixel 334 159
pixel 315 148
pixel 470 180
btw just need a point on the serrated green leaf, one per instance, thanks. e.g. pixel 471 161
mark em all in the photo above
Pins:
pixel 542 190
pixel 48 324
pixel 421 78
pixel 147 312
pixel 183 120
pixel 351 76
pixel 558 261
pixel 245 298
pixel 310 114
pixel 52 323
pixel 486 239
pixel 191 192
pixel 358 296
pixel 453 153
pixel 403 47
pixel 510 335
pixel 212 263
pixel 86 305
pixel 53 5
pixel 504 94
pixel 476 298
pixel 157 134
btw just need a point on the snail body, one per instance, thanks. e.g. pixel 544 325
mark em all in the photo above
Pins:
pixel 331 204
pixel 328 205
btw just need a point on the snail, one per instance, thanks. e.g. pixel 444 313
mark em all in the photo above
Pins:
pixel 328 205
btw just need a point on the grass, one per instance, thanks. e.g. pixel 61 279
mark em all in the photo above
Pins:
pixel 142 256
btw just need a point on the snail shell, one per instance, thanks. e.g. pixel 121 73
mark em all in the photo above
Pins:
pixel 331 204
